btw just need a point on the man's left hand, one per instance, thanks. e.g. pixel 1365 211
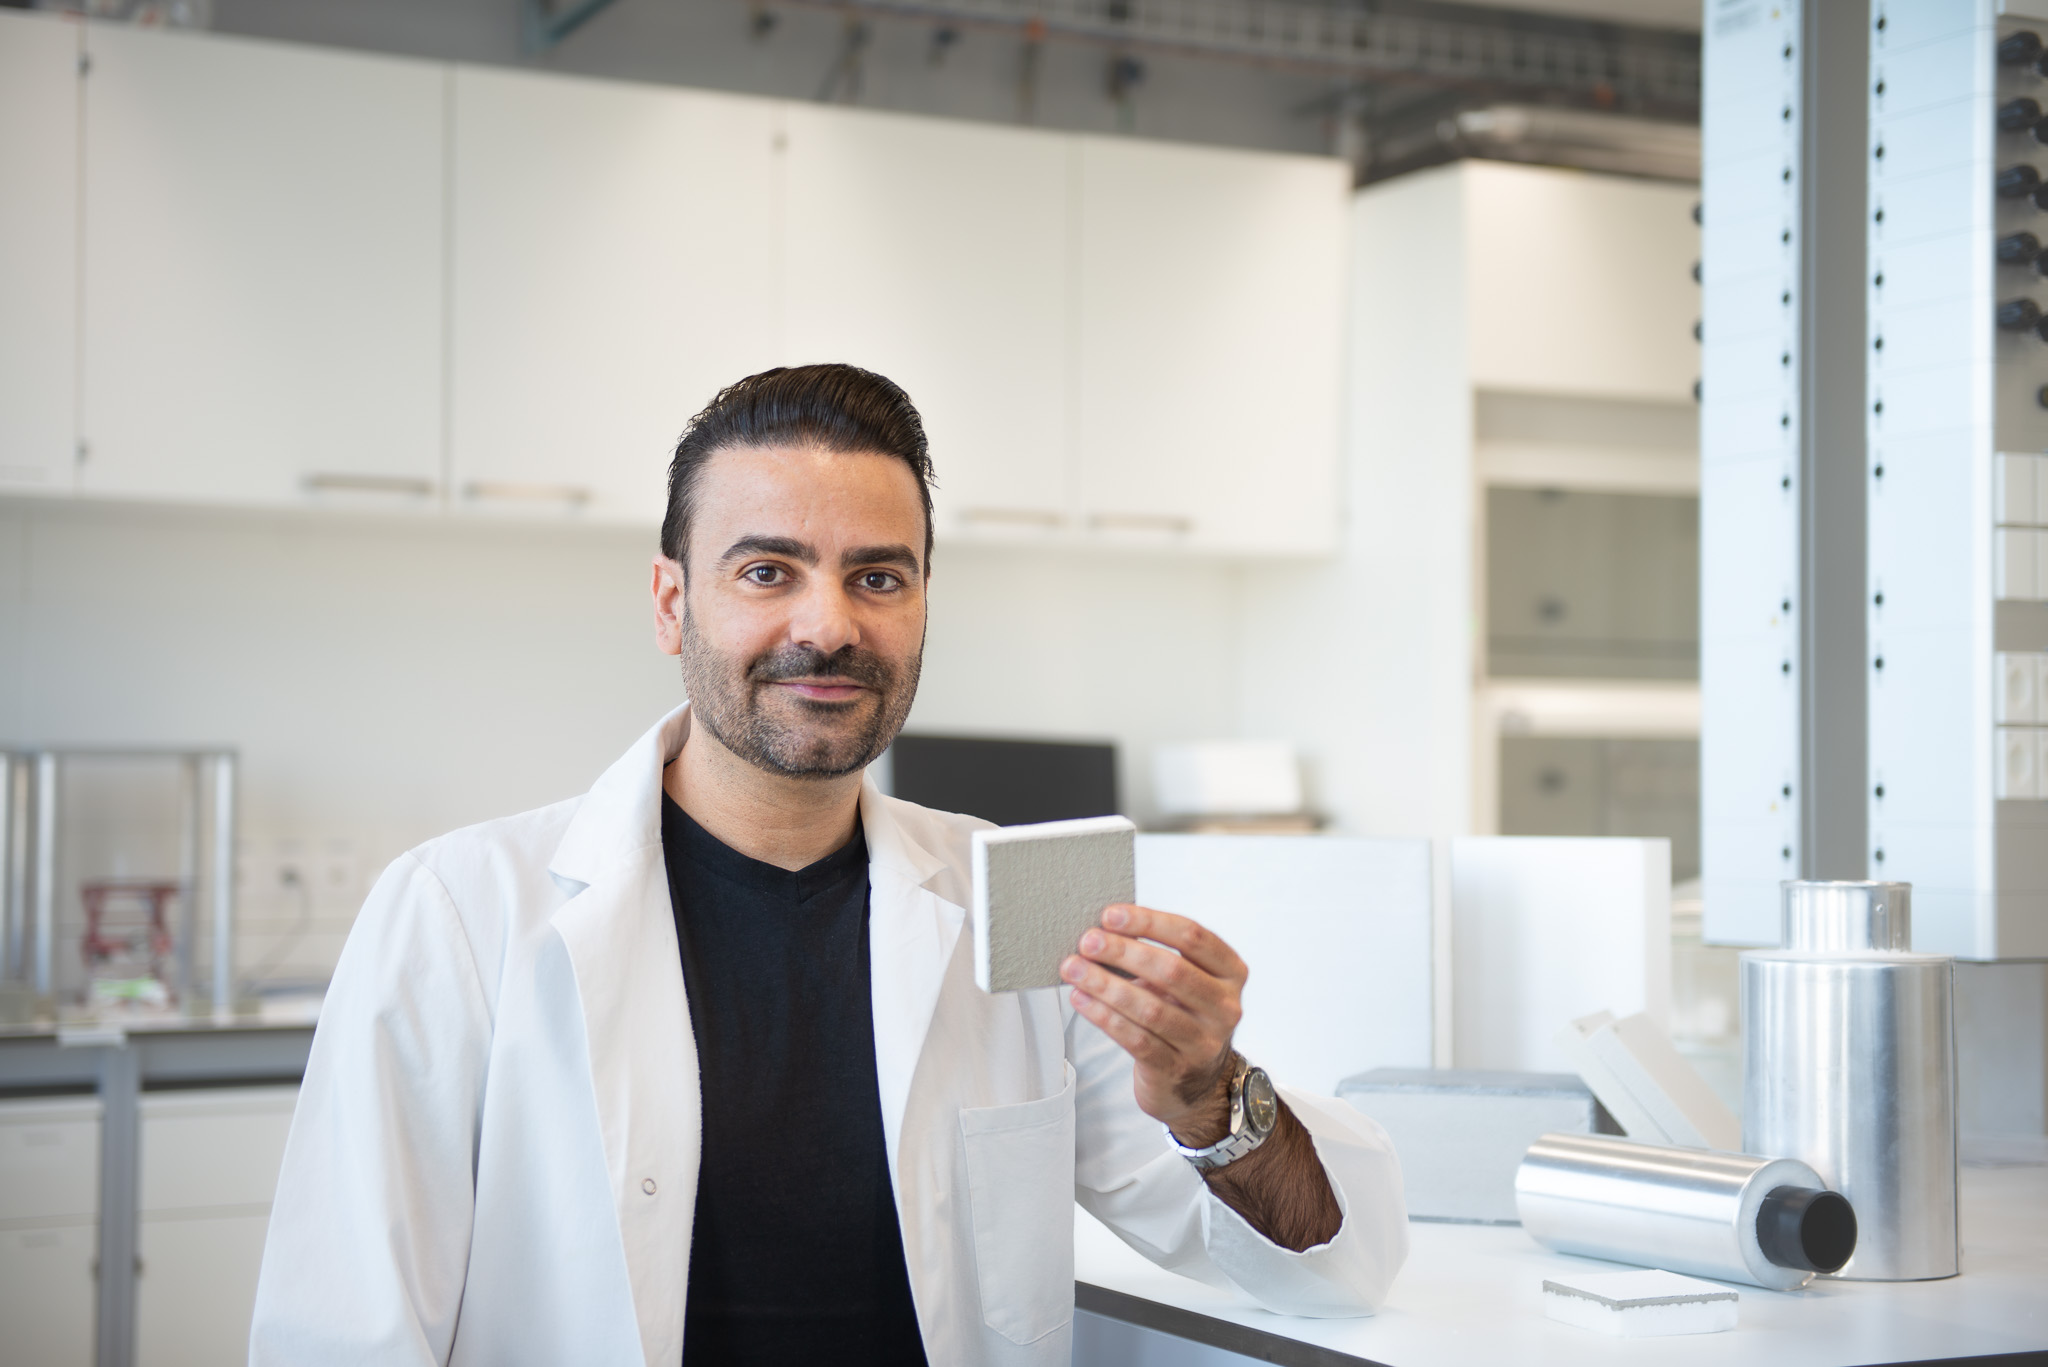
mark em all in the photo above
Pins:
pixel 1174 1014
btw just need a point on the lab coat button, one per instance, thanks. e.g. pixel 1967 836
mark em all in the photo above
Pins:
pixel 648 1186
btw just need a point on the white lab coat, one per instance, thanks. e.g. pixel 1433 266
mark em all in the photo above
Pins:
pixel 495 1153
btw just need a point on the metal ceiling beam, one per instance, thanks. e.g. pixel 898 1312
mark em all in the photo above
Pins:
pixel 1343 39
pixel 542 24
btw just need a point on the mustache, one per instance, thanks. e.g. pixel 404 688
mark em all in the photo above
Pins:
pixel 805 662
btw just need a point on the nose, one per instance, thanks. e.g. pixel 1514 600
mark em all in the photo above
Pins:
pixel 823 619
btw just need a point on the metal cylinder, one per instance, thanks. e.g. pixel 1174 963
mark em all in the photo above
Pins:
pixel 1849 1067
pixel 1765 1221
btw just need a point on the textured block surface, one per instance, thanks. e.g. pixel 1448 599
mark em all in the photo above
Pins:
pixel 1640 1304
pixel 1037 888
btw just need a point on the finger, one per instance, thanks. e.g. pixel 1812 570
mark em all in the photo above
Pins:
pixel 1164 970
pixel 1169 1021
pixel 1202 947
pixel 1141 1044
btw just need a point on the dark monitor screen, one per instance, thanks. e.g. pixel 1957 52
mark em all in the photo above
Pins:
pixel 1009 782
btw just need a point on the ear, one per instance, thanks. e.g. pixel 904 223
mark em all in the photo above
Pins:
pixel 667 588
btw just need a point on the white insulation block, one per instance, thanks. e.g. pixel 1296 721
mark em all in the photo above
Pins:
pixel 1038 888
pixel 1646 1084
pixel 1644 1304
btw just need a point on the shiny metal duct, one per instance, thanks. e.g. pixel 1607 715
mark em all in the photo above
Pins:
pixel 1769 1222
pixel 1849 1066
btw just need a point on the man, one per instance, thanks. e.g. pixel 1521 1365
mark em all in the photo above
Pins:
pixel 695 1066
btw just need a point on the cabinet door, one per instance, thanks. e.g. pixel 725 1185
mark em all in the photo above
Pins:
pixel 263 271
pixel 1211 340
pixel 38 251
pixel 937 254
pixel 615 265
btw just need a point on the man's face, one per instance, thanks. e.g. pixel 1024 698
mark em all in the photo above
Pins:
pixel 802 623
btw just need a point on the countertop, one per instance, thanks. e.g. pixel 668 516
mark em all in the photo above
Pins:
pixel 1470 1296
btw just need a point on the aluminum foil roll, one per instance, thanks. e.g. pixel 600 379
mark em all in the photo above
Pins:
pixel 1768 1222
pixel 1849 1066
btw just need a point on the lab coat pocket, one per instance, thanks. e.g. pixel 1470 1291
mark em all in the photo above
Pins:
pixel 1020 1184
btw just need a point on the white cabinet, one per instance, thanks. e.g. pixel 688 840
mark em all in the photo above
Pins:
pixel 209 1171
pixel 49 1226
pixel 263 247
pixel 38 251
pixel 1580 284
pixel 938 254
pixel 1210 354
pixel 615 262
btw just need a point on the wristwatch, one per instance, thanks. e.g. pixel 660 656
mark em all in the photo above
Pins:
pixel 1254 1110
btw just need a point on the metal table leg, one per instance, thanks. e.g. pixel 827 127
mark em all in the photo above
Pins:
pixel 120 1089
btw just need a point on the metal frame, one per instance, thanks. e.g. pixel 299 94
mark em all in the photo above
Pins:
pixel 30 820
pixel 1834 674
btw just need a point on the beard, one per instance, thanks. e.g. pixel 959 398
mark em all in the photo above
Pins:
pixel 780 732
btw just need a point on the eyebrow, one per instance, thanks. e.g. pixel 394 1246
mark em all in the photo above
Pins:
pixel 785 546
pixel 897 554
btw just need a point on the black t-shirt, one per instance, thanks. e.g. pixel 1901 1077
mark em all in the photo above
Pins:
pixel 796 1256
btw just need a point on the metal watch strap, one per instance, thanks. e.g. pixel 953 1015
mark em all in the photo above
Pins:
pixel 1240 1141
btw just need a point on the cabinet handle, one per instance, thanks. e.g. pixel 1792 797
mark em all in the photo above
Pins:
pixel 1026 517
pixel 326 483
pixel 576 495
pixel 1143 522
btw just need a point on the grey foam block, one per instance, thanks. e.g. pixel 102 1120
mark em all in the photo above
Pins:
pixel 1038 888
pixel 1461 1133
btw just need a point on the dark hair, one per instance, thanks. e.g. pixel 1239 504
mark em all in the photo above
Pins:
pixel 833 407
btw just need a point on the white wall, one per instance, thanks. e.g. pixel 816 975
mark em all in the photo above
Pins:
pixel 389 679
pixel 1365 663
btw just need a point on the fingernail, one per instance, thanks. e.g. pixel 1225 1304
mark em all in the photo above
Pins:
pixel 1115 917
pixel 1071 970
pixel 1091 943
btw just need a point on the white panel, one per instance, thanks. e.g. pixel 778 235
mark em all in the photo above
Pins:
pixel 938 253
pixel 197 1289
pixel 38 251
pixel 49 1160
pixel 1548 930
pixel 1336 933
pixel 1611 310
pixel 213 1148
pixel 2019 756
pixel 2012 559
pixel 1211 297
pixel 263 292
pixel 2012 499
pixel 2019 680
pixel 616 257
pixel 46 1295
pixel 1749 499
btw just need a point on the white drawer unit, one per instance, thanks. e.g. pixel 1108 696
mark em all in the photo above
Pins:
pixel 49 1230
pixel 46 1295
pixel 209 1164
pixel 49 1160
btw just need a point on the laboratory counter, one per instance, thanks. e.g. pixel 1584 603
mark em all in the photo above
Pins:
pixel 1471 1296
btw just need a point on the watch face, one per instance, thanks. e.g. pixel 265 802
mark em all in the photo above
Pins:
pixel 1261 1107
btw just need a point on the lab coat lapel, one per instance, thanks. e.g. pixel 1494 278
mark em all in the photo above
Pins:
pixel 619 930
pixel 912 931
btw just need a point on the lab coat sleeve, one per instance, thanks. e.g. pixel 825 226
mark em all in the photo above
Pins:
pixel 370 1228
pixel 1127 1177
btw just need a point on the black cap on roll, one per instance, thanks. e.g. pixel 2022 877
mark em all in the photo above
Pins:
pixel 1813 1231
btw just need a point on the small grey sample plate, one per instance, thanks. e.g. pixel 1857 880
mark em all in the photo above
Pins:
pixel 1037 889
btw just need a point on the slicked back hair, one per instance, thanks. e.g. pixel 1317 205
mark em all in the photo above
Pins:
pixel 833 407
